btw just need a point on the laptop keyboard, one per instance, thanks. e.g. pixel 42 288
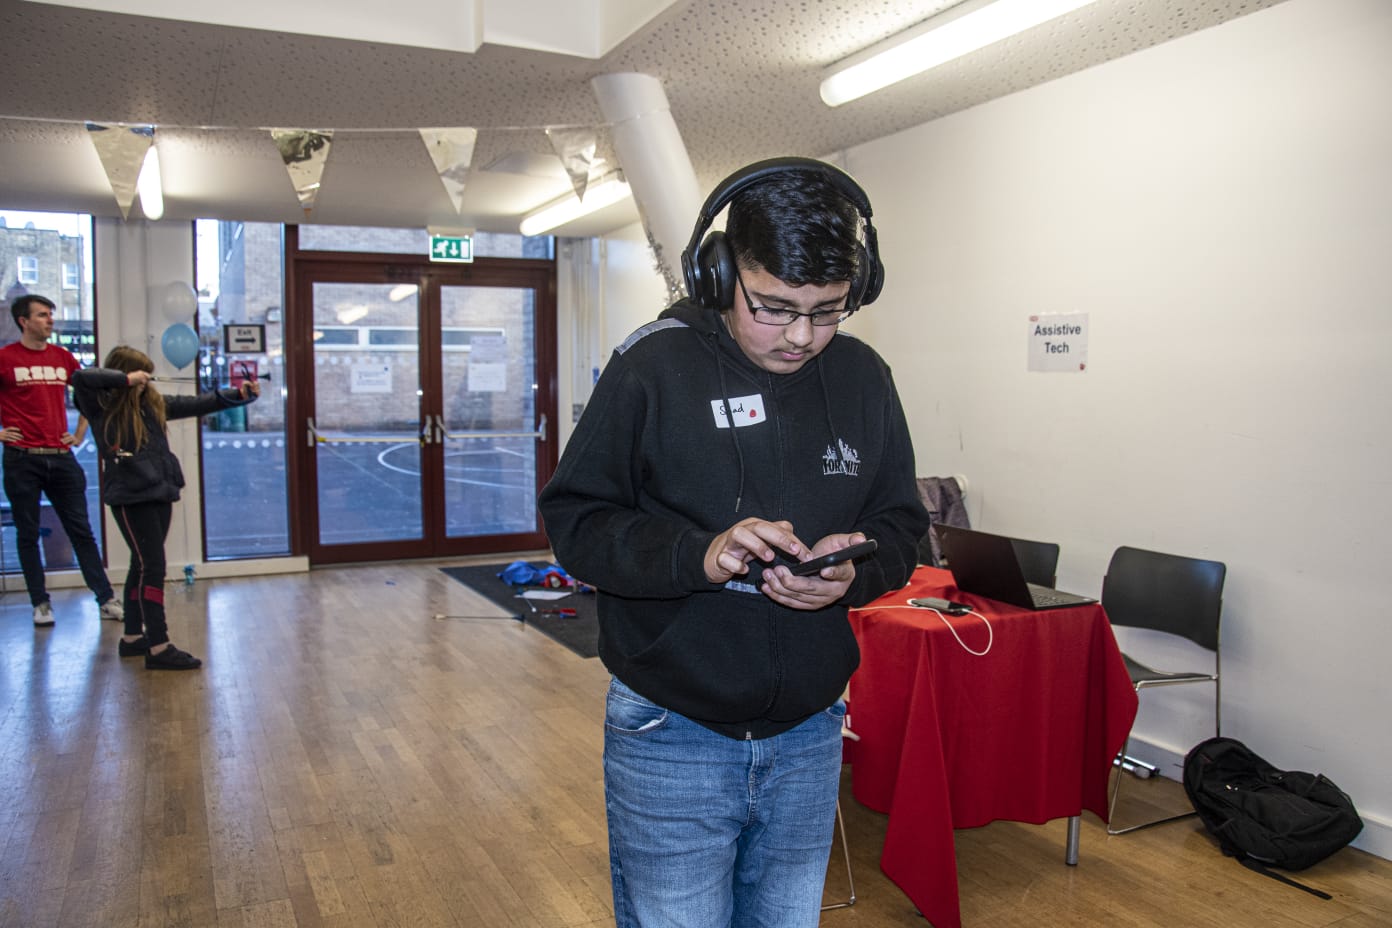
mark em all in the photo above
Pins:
pixel 1043 596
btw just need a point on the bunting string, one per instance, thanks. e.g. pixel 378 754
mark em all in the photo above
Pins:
pixel 305 152
pixel 380 130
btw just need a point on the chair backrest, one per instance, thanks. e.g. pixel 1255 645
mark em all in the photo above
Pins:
pixel 1038 560
pixel 1165 592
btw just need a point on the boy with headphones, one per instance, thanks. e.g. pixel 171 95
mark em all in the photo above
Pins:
pixel 737 435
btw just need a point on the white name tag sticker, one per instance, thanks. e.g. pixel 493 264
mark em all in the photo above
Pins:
pixel 744 410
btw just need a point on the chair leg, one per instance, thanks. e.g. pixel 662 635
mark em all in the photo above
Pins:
pixel 1125 764
pixel 846 852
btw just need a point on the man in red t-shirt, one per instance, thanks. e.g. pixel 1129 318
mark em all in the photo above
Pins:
pixel 38 455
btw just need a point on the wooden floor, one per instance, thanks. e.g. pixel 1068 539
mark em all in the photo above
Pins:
pixel 347 759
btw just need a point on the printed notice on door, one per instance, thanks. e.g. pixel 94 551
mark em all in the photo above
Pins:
pixel 1058 342
pixel 371 378
pixel 487 364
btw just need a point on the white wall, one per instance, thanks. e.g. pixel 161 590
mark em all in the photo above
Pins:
pixel 634 291
pixel 607 287
pixel 1221 207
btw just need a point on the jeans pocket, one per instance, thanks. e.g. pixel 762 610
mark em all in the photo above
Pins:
pixel 627 713
pixel 837 710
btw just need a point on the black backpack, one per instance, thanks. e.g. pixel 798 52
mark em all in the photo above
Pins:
pixel 1264 816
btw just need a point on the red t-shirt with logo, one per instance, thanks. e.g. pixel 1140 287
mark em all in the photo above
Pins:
pixel 34 393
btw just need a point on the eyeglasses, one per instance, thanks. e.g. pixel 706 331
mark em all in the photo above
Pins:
pixel 768 316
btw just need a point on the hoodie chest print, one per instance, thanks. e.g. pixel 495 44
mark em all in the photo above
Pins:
pixel 743 411
pixel 842 459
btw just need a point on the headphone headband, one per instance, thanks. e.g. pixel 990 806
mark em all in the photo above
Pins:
pixel 708 267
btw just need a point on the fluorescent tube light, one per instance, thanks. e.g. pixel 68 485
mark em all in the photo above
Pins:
pixel 956 32
pixel 562 211
pixel 147 184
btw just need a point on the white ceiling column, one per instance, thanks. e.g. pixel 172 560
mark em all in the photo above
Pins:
pixel 654 161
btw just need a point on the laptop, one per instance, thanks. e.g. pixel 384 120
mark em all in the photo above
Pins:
pixel 986 565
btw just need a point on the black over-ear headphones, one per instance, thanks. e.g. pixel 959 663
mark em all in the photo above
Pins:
pixel 709 266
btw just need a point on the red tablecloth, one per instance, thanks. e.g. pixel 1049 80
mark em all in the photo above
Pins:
pixel 953 740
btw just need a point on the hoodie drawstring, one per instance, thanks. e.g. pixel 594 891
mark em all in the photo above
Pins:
pixel 826 402
pixel 730 420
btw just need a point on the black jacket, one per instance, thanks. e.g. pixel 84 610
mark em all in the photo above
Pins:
pixel 150 473
pixel 654 472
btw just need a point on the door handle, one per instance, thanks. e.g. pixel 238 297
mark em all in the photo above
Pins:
pixel 539 434
pixel 319 438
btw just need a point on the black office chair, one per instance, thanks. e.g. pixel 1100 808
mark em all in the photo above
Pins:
pixel 1038 560
pixel 1168 593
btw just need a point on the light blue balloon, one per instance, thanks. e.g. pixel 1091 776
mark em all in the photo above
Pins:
pixel 180 344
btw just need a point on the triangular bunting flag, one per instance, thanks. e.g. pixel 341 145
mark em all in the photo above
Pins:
pixel 452 150
pixel 305 152
pixel 576 149
pixel 122 152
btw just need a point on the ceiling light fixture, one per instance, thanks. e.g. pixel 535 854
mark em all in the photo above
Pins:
pixel 564 210
pixel 147 184
pixel 956 32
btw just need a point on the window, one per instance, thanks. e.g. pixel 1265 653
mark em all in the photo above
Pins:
pixel 393 338
pixel 417 242
pixel 240 281
pixel 41 247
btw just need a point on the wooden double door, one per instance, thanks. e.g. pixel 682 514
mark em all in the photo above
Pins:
pixel 424 406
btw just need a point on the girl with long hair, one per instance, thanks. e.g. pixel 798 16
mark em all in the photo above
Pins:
pixel 140 481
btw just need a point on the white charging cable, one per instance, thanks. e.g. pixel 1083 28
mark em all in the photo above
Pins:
pixel 990 632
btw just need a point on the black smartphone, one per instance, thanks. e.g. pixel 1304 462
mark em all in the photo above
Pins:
pixel 808 568
pixel 940 605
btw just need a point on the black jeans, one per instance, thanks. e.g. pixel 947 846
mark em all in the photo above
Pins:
pixel 144 526
pixel 60 478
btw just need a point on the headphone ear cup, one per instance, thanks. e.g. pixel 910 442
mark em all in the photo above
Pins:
pixel 868 279
pixel 715 273
pixel 870 276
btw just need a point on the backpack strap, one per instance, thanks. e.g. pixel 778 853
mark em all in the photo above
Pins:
pixel 1256 866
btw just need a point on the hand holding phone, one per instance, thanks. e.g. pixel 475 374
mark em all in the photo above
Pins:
pixel 814 566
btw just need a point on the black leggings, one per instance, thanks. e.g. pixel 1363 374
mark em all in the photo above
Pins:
pixel 144 526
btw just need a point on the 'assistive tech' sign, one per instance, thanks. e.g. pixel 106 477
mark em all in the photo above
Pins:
pixel 1058 342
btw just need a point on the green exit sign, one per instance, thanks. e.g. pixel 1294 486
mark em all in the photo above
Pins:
pixel 458 248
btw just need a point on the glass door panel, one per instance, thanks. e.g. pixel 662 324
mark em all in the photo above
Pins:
pixel 489 421
pixel 366 423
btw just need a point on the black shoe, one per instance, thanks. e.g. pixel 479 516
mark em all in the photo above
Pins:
pixel 134 648
pixel 171 658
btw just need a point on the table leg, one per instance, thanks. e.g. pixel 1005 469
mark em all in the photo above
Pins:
pixel 1070 855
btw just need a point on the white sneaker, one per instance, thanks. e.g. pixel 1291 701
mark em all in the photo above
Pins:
pixel 43 614
pixel 112 610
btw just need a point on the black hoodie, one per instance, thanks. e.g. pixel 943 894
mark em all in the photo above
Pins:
pixel 654 472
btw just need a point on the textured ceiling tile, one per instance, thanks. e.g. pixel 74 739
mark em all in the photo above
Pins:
pixel 741 76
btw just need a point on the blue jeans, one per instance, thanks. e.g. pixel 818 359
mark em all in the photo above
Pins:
pixel 60 478
pixel 709 832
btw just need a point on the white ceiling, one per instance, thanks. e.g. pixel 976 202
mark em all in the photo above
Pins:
pixel 741 77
